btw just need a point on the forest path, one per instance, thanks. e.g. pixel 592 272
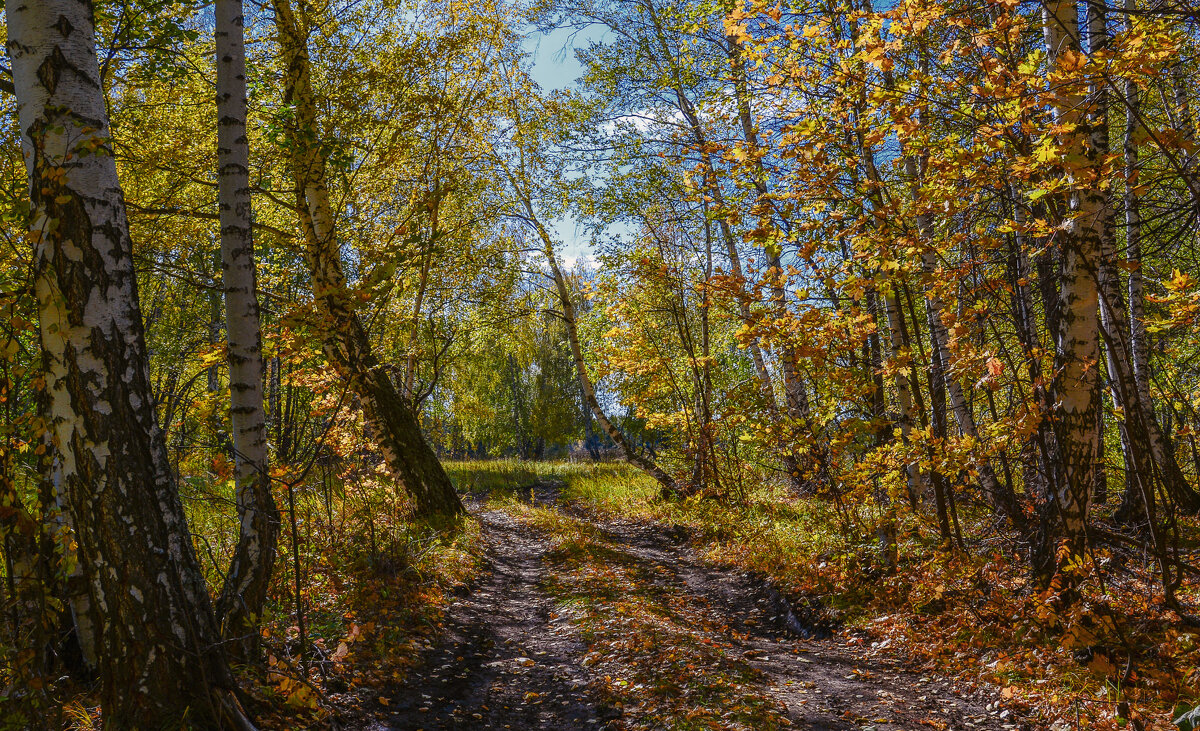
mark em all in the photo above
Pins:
pixel 514 655
pixel 505 659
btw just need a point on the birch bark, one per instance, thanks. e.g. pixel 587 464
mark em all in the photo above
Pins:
pixel 158 650
pixel 1077 356
pixel 390 415
pixel 1138 337
pixel 241 601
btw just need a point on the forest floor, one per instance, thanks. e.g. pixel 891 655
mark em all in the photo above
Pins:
pixel 582 622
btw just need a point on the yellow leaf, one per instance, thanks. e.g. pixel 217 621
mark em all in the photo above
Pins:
pixel 1071 60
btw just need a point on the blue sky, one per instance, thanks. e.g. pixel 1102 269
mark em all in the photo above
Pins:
pixel 555 67
pixel 554 64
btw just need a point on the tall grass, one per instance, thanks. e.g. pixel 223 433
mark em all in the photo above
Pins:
pixel 593 483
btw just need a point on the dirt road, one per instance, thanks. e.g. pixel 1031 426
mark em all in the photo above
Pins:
pixel 513 657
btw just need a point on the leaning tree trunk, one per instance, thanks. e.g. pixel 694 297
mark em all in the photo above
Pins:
pixel 712 188
pixel 1140 429
pixel 390 415
pixel 1142 437
pixel 1125 397
pixel 240 604
pixel 159 653
pixel 643 463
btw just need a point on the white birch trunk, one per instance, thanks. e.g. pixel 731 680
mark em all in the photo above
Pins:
pixel 158 652
pixel 249 575
pixel 1077 359
pixel 1138 336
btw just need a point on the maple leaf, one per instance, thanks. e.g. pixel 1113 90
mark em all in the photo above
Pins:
pixel 1180 281
pixel 1071 60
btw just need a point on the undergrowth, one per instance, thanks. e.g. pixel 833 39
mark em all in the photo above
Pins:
pixel 359 590
pixel 374 584
pixel 1118 659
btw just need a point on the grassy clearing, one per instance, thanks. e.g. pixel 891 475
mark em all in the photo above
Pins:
pixel 1117 658
pixel 590 483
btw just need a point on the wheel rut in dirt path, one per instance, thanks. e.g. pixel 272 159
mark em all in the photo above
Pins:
pixel 506 659
pixel 824 683
pixel 511 659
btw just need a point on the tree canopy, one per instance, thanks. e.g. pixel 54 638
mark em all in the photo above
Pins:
pixel 274 275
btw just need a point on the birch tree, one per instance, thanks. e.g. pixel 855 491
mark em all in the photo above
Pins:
pixel 249 575
pixel 158 652
pixel 390 416
pixel 1077 339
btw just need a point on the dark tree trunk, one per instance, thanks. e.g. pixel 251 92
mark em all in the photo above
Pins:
pixel 391 418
